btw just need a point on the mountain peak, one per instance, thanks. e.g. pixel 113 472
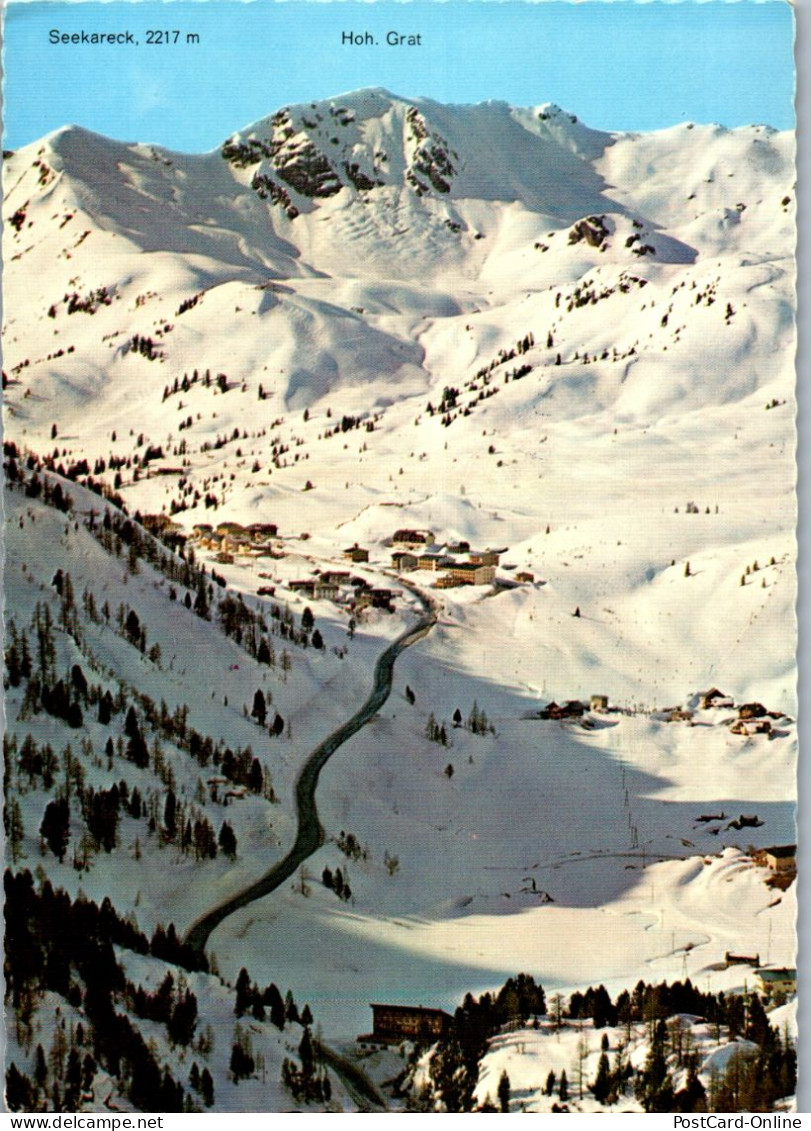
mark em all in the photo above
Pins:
pixel 372 139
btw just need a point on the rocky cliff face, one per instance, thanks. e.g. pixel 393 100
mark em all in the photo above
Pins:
pixel 318 152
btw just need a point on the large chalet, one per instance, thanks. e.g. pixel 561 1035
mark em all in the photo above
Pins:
pixel 392 1024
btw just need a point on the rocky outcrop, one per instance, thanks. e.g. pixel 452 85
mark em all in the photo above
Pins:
pixel 592 229
pixel 267 189
pixel 430 161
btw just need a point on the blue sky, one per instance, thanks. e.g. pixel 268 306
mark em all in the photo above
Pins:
pixel 620 65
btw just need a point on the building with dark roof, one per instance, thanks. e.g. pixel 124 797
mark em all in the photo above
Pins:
pixel 392 1024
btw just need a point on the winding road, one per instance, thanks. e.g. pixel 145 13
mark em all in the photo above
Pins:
pixel 310 834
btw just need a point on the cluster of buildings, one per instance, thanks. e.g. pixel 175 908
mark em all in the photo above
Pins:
pixel 413 550
pixel 454 564
pixel 230 539
pixel 573 708
pixel 344 589
pixel 412 553
pixel 752 718
pixel 171 533
pixel 771 981
pixel 325 587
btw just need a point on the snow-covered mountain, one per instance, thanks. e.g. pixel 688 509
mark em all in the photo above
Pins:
pixel 369 315
pixel 382 215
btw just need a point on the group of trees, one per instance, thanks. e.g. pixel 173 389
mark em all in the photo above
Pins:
pixel 55 827
pixel 268 1003
pixel 756 1081
pixel 100 809
pixel 202 1083
pixel 176 821
pixel 336 882
pixel 752 1078
pixel 65 946
pixel 477 721
pixel 36 487
pixel 252 631
pixel 651 1002
pixel 259 711
pixel 36 762
pixel 240 766
pixel 17 655
pixel 61 697
pixel 653 1086
pixel 310 1081
pixel 133 631
pixel 436 732
pixel 117 531
pixel 45 929
pixel 454 1067
pixel 449 406
pixel 145 346
pixel 118 534
pixel 59 1083
pixel 173 1004
pixel 187 827
pixel 242 1064
pixel 351 846
pixel 755 1078
pixel 562 1085
pixel 186 383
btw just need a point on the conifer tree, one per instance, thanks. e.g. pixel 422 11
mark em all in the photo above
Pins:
pixel 40 1068
pixel 207 1087
pixel 55 827
pixel 228 840
pixel 504 1092
pixel 307 1054
pixel 244 992
pixel 259 710
pixel 602 1084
